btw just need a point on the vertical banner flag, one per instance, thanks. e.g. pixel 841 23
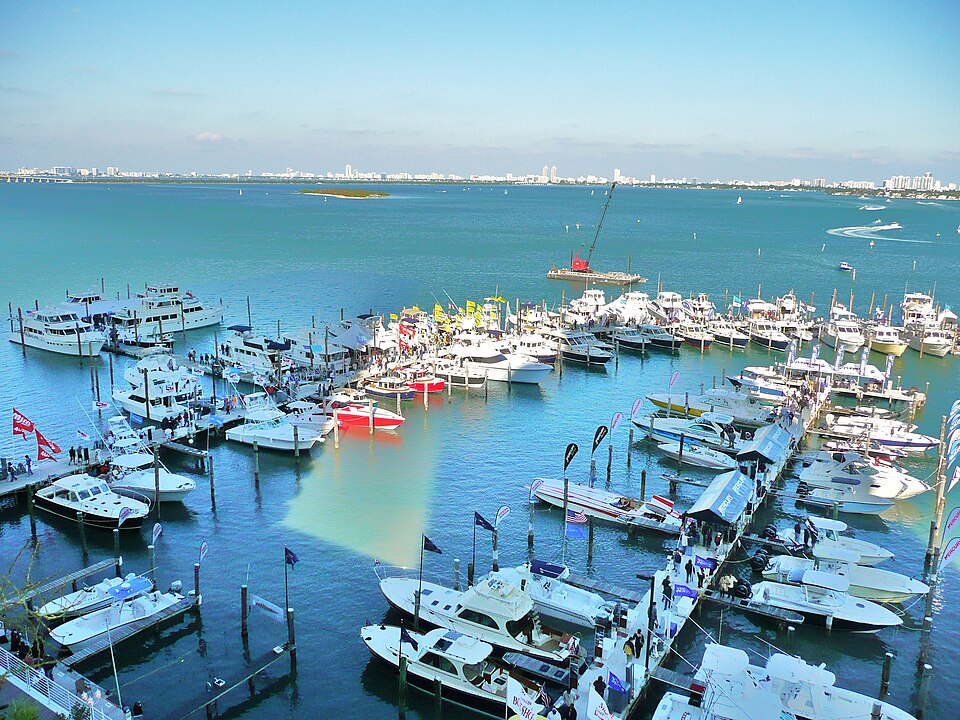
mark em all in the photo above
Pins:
pixel 617 417
pixel 615 683
pixel 596 708
pixel 533 488
pixel 955 408
pixel 204 547
pixel 791 352
pixel 157 529
pixel 949 552
pixel 518 700
pixel 569 454
pixel 815 353
pixel 955 479
pixel 598 437
pixel 889 368
pixel 839 360
pixel 49 444
pixel 636 406
pixel 863 360
pixel 124 514
pixel 22 425
pixel 952 519
pixel 502 513
pixel 674 378
pixel 267 608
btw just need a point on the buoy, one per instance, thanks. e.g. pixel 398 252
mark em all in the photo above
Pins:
pixel 822 247
pixel 758 252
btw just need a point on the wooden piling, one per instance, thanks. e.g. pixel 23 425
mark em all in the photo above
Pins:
pixel 30 510
pixel 402 700
pixel 371 415
pixel 156 479
pixel 292 639
pixel 296 443
pixel 213 491
pixel 630 449
pixel 530 524
pixel 609 461
pixel 244 612
pixel 83 534
pixel 196 583
pixel 496 554
pixel 23 343
pixel 885 675
pixel 643 485
pixel 437 698
pixel 152 555
pixel 925 675
pixel 256 465
pixel 116 549
pixel 933 544
pixel 456 573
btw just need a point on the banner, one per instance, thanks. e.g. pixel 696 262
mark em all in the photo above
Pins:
pixel 705 563
pixel 267 608
pixel 501 514
pixel 955 408
pixel 617 417
pixel 889 368
pixel 839 359
pixel 791 352
pixel 22 425
pixel 157 529
pixel 674 378
pixel 571 452
pixel 43 453
pixel 863 360
pixel 948 553
pixel 598 437
pixel 952 519
pixel 955 479
pixel 815 353
pixel 533 488
pixel 636 406
pixel 204 547
pixel 43 442
pixel 519 701
pixel 124 514
pixel 596 708
pixel 684 591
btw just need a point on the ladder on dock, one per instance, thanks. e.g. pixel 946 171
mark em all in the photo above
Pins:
pixel 597 586
pixel 117 635
pixel 58 584
pixel 758 608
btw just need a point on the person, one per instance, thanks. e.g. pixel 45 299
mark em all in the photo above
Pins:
pixel 86 455
pixel 628 648
pixel 667 591
pixel 29 462
pixel 73 455
pixel 689 569
pixel 552 714
pixel 701 577
pixel 12 471
pixel 677 559
pixel 600 686
pixel 798 533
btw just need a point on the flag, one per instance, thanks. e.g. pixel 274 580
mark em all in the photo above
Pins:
pixel 204 547
pixel 502 513
pixel 576 516
pixel 197 371
pixel 617 417
pixel 955 479
pixel 215 420
pixel 82 435
pixel 124 514
pixel 519 701
pixel 478 519
pixel 815 353
pixel 575 532
pixel 568 456
pixel 955 408
pixel 636 406
pixel 43 453
pixel 952 519
pixel 393 316
pixel 231 377
pixel 43 442
pixel 615 683
pixel 22 425
pixel 889 367
pixel 863 360
pixel 100 405
pixel 157 529
pixel 406 637
pixel 705 563
pixel 948 553
pixel 290 557
pixel 267 608
pixel 533 488
pixel 792 352
pixel 676 375
pixel 598 437
pixel 684 591
pixel 430 547
pixel 596 708
pixel 736 301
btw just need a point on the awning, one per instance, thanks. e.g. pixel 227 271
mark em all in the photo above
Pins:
pixel 770 443
pixel 725 500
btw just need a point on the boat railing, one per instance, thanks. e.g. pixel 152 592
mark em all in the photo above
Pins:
pixel 35 683
pixel 383 572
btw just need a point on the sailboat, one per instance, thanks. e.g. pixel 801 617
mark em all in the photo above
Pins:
pixel 241 192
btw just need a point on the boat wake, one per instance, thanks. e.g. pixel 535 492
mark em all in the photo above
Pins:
pixel 869 232
pixel 921 202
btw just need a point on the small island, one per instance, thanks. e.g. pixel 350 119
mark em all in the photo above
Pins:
pixel 353 193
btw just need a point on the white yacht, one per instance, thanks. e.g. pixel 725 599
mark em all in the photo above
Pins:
pixel 99 505
pixel 699 456
pixel 57 331
pixel 847 495
pixel 166 308
pixel 133 600
pixel 85 600
pixel 886 339
pixel 487 357
pixel 251 353
pixel 134 474
pixel 745 409
pixel 892 434
pixel 92 306
pixel 269 427
pixel 820 596
pixel 667 308
pixel 865 582
pixel 576 346
pixel 708 429
pixel 827 535
pixel 725 333
pixel 766 334
pixel 657 513
pixel 310 417
pixel 555 598
pixel 316 350
pixel 885 480
pixel 698 310
pixel 631 308
pixel 494 611
pixel 843 335
pixel 161 389
pixel 929 340
pixel 658 337
pixel 592 305
pixel 532 345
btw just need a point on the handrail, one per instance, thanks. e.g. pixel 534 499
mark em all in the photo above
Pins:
pixel 35 683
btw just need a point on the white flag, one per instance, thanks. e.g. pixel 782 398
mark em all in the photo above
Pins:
pixel 267 608
pixel 596 708
pixel 519 701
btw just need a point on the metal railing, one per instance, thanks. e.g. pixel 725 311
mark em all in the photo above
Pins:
pixel 35 683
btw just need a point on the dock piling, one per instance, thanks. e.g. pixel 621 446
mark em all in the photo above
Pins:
pixel 152 554
pixel 156 479
pixel 530 525
pixel 885 675
pixel 456 573
pixel 213 491
pixel 244 612
pixel 437 698
pixel 643 485
pixel 496 553
pixel 83 534
pixel 196 583
pixel 593 471
pixel 296 443
pixel 791 630
pixel 924 689
pixel 402 700
pixel 256 465
pixel 33 517
pixel 630 449
pixel 116 549
pixel 292 639
pixel 371 415
pixel 609 461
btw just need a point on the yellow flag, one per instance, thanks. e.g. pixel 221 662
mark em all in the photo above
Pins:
pixel 394 316
pixel 471 307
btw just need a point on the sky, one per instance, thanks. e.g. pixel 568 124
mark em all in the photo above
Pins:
pixel 746 90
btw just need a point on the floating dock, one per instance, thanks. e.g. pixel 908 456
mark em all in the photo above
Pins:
pixel 601 278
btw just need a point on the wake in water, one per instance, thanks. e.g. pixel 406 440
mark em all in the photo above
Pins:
pixel 869 232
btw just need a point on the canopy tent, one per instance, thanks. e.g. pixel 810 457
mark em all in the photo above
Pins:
pixel 770 444
pixel 724 500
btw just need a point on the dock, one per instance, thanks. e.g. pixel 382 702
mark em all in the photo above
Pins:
pixel 60 583
pixel 598 586
pixel 757 608
pixel 601 278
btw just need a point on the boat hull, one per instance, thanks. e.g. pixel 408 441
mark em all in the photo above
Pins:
pixel 103 522
pixel 895 349
pixel 937 350
pixel 408 394
pixel 738 343
pixel 770 343
pixel 86 349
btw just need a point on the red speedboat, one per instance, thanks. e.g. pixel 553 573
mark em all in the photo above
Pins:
pixel 423 381
pixel 356 414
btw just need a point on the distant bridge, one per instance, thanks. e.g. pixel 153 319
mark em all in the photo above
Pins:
pixel 11 178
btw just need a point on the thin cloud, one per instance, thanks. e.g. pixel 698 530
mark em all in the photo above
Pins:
pixel 208 138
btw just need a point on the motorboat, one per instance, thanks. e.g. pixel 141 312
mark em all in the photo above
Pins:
pixel 885 480
pixel 494 611
pixel 762 388
pixel 843 335
pixel 464 667
pixel 350 412
pixel 892 435
pixel 576 346
pixel 654 514
pixel 591 306
pixel 134 474
pixel 555 598
pixel 745 409
pixel 765 333
pixel 847 495
pixel 87 599
pixel 631 308
pixel 629 338
pixel 823 599
pixel 390 386
pixel 136 344
pixel 320 350
pixel 827 534
pixel 667 307
pixel 845 267
pixel 488 358
pixel 57 331
pixel 251 353
pixel 161 389
pixel 694 335
pixel 311 417
pixel 698 310
pixel 164 307
pixel 710 429
pixel 133 600
pixel 659 337
pixel 265 424
pixel 92 306
pixel 726 333
pixel 885 339
pixel 929 340
pixel 93 502
pixel 865 582
pixel 455 373
pixel 534 346
pixel 698 456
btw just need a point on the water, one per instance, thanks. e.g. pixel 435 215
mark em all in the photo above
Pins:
pixel 299 258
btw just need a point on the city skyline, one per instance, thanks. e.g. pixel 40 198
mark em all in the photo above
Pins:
pixel 714 91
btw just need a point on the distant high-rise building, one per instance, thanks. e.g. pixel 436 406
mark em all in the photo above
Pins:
pixel 113 172
pixel 653 178
pixel 348 171
pixel 545 175
pixel 820 182
pixel 616 174
pixel 553 174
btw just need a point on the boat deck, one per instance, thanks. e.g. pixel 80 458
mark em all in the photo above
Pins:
pixel 598 586
pixel 604 278
pixel 60 583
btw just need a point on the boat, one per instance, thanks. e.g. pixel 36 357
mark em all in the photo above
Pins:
pixel 629 338
pixel 847 496
pixel 710 429
pixel 827 535
pixel 59 332
pixel 90 499
pixel 667 307
pixel 133 343
pixel 698 456
pixel 390 386
pixel 251 353
pixel 493 610
pixel 694 336
pixel 161 389
pixel 164 307
pixel 884 479
pixel 739 200
pixel 843 334
pixel 488 358
pixel 893 435
pixel 87 599
pixel 265 424
pixel 631 308
pixel 135 474
pixel 589 307
pixel 660 338
pixel 868 583
pixel 929 341
pixel 725 333
pixel 766 334
pixel 555 598
pixel 823 599
pixel 845 267
pixel 534 346
pixel 310 416
pixel 456 374
pixel 462 666
pixel 743 408
pixel 886 340
pixel 576 346
pixel 133 600
pixel 352 413
pixel 654 514
pixel 421 380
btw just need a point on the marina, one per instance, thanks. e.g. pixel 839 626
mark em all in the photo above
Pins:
pixel 363 492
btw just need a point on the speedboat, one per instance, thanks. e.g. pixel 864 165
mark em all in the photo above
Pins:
pixel 58 331
pixel 264 424
pixel 845 266
pixel 556 598
pixel 654 514
pixel 134 473
pixel 576 346
pixel 493 610
pixel 745 409
pixel 97 505
pixel 133 600
pixel 309 416
pixel 847 495
pixel 886 339
pixel 865 582
pixel 884 479
pixel 710 429
pixel 766 334
pixel 699 456
pixel 827 535
pixel 891 435
pixel 630 338
pixel 464 667
pixel 488 359
pixel 351 412
pixel 422 380
pixel 390 386
pixel 85 600
pixel 822 599
pixel 534 346
pixel 725 333
pixel 659 338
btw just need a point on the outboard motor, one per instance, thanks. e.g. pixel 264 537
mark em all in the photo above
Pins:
pixel 742 589
pixel 769 532
pixel 759 560
pixel 176 587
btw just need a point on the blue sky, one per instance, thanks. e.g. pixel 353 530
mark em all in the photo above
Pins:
pixel 748 90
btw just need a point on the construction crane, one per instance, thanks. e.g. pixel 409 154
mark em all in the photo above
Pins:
pixel 584 265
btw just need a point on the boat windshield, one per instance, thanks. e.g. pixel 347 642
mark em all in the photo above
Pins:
pixel 84 494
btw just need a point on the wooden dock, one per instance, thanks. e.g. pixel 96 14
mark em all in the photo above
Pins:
pixel 59 584
pixel 757 608
pixel 598 586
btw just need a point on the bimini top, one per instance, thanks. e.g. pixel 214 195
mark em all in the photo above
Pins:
pixel 725 500
pixel 130 588
pixel 724 659
pixel 828 581
pixel 794 670
pixel 547 569
pixel 822 523
pixel 240 328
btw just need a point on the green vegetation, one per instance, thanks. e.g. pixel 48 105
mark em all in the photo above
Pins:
pixel 346 192
pixel 23 710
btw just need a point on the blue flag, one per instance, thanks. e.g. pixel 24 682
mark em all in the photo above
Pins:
pixel 290 557
pixel 430 547
pixel 684 591
pixel 478 519
pixel 706 563
pixel 575 531
pixel 614 683
pixel 405 637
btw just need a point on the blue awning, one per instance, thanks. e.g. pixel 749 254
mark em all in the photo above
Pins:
pixel 273 345
pixel 725 500
pixel 131 588
pixel 770 444
pixel 548 569
pixel 240 328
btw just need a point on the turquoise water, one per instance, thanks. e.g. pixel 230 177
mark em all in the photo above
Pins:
pixel 299 257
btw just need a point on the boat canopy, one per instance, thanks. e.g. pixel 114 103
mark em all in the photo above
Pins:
pixel 770 443
pixel 830 552
pixel 822 523
pixel 828 581
pixel 717 418
pixel 130 588
pixel 240 328
pixel 547 569
pixel 274 345
pixel 794 670
pixel 724 659
pixel 870 372
pixel 130 461
pixel 725 499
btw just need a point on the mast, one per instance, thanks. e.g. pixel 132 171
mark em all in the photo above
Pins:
pixel 600 224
